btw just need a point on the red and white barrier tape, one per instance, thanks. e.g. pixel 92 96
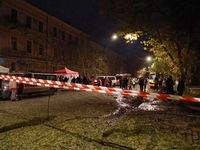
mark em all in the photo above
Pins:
pixel 91 88
pixel 73 88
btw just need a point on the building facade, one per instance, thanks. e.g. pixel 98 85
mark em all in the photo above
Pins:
pixel 32 40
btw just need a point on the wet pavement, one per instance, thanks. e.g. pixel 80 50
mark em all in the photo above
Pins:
pixel 129 103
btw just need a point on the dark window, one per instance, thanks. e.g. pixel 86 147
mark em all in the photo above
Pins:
pixel 29 46
pixel 54 68
pixel 41 49
pixel 55 52
pixel 13 43
pixel 14 15
pixel 28 21
pixel 63 53
pixel 70 38
pixel 76 40
pixel 13 66
pixel 40 26
pixel 63 35
pixel 28 75
pixel 40 76
pixel 82 42
pixel 55 32
pixel 51 77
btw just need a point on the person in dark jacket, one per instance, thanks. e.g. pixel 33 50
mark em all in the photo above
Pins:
pixel 141 83
pixel 120 83
pixel 20 90
pixel 169 85
pixel 73 80
pixel 85 81
pixel 125 82
pixel 110 82
pixel 102 81
pixel 65 79
pixel 181 87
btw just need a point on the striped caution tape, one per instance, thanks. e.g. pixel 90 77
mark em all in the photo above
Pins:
pixel 100 89
pixel 73 88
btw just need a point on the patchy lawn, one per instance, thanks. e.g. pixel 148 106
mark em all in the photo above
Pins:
pixel 81 120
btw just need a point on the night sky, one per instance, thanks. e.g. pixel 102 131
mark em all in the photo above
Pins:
pixel 85 16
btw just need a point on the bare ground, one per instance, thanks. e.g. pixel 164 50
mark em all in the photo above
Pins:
pixel 86 120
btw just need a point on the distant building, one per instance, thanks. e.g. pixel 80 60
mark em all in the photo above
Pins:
pixel 32 40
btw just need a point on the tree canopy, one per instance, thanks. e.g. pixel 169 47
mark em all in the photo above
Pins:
pixel 170 29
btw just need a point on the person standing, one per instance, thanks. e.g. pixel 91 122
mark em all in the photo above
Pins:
pixel 92 80
pixel 145 84
pixel 102 81
pixel 73 80
pixel 169 85
pixel 181 87
pixel 125 82
pixel 85 80
pixel 141 83
pixel 156 84
pixel 160 85
pixel 120 83
pixel 133 81
pixel 98 81
pixel 13 87
pixel 110 82
pixel 20 90
pixel 130 83
pixel 164 85
pixel 106 81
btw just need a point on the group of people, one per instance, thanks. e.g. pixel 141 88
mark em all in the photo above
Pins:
pixel 164 85
pixel 103 81
pixel 143 83
pixel 83 80
pixel 126 83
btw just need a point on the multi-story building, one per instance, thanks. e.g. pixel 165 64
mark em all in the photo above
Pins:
pixel 32 40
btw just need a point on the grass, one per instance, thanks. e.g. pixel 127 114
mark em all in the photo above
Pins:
pixel 76 122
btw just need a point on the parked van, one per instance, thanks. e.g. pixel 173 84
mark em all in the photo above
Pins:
pixel 30 89
pixel 112 78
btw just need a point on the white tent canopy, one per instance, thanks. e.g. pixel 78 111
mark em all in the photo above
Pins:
pixel 4 70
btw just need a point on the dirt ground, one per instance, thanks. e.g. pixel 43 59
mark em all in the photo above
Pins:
pixel 87 120
pixel 65 102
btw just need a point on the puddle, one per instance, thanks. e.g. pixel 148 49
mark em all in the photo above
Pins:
pixel 129 103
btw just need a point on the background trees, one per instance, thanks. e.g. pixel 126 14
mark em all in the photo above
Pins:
pixel 167 28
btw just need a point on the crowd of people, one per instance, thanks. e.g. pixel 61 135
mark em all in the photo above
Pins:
pixel 164 85
pixel 83 80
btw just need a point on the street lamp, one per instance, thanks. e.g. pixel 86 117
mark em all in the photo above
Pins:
pixel 114 37
pixel 149 58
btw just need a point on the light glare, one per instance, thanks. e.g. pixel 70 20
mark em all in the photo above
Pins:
pixel 114 36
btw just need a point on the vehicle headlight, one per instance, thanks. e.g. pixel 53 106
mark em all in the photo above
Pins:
pixel 5 87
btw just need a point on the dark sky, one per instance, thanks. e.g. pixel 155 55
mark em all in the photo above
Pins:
pixel 85 16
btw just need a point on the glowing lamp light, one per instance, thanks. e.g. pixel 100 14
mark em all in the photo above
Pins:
pixel 148 58
pixel 131 37
pixel 114 36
